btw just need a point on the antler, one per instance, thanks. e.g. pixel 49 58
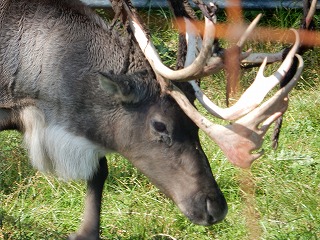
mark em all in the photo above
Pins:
pixel 255 94
pixel 239 139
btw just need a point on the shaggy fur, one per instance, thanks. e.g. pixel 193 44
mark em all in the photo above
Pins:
pixel 53 149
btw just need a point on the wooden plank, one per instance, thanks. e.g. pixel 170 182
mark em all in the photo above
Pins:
pixel 247 4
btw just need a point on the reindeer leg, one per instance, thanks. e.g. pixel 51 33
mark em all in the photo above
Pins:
pixel 7 119
pixel 89 229
pixel 4 115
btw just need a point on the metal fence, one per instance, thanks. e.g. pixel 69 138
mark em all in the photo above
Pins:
pixel 248 4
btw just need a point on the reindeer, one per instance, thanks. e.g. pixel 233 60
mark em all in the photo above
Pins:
pixel 77 89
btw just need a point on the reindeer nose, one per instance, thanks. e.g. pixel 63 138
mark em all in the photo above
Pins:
pixel 217 210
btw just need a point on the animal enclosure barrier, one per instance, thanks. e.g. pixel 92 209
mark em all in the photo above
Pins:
pixel 247 4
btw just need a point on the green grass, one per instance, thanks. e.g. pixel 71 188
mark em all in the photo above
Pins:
pixel 279 198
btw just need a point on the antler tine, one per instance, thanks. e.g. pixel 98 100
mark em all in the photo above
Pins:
pixel 259 57
pixel 255 94
pixel 248 31
pixel 311 13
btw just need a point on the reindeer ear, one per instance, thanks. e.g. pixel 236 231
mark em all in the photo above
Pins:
pixel 119 86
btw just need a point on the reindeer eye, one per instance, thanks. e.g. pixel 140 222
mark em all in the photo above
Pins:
pixel 159 126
